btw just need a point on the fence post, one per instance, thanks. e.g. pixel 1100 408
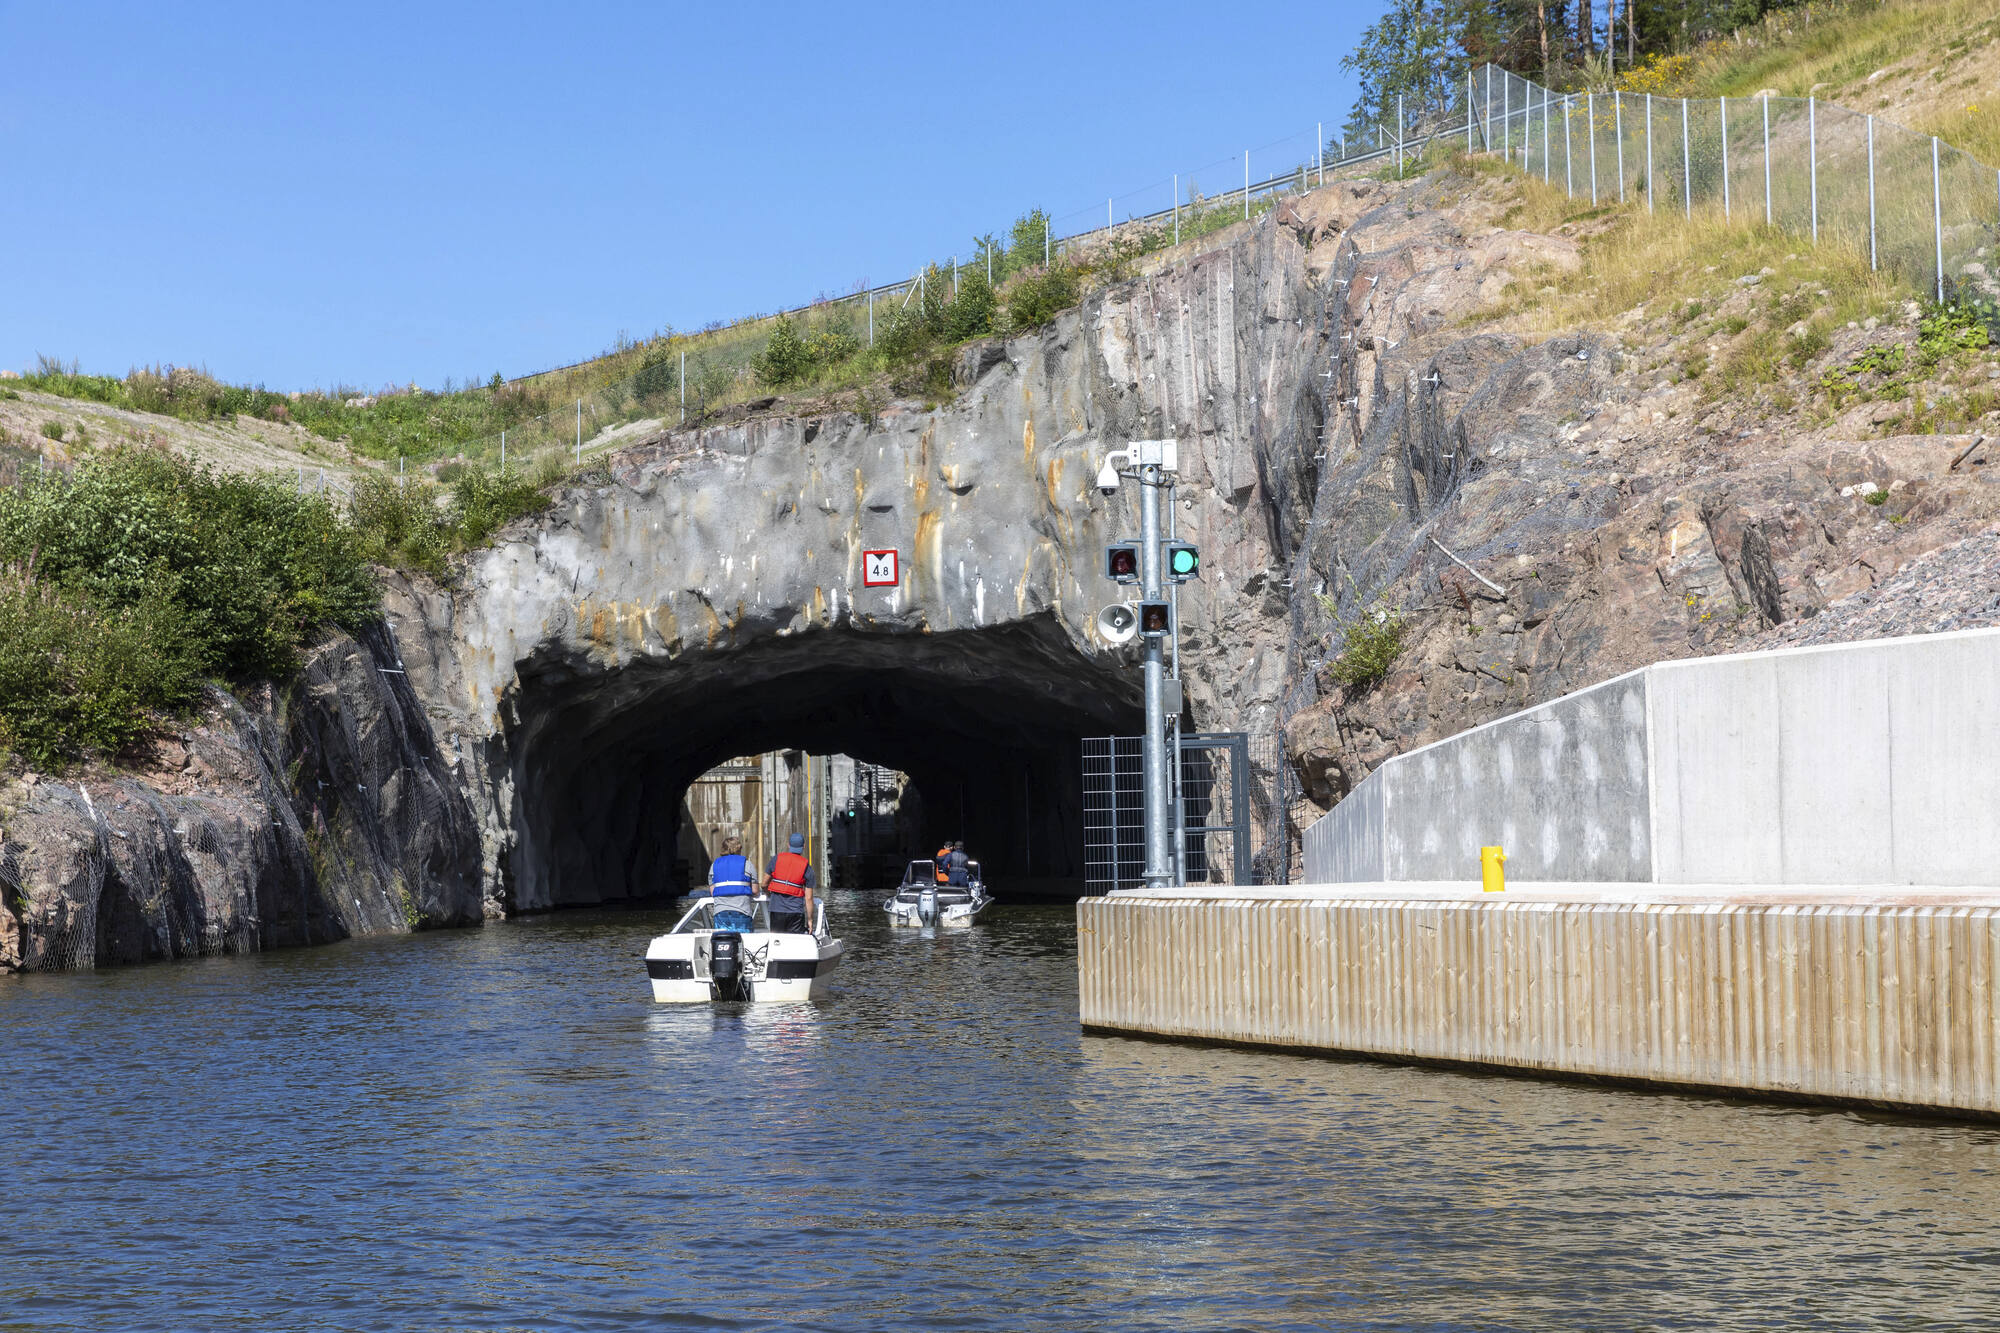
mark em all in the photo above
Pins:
pixel 503 446
pixel 1937 216
pixel 1107 215
pixel 954 277
pixel 579 430
pixel 1319 161
pixel 1812 149
pixel 1590 118
pixel 1569 166
pixel 1506 117
pixel 1400 123
pixel 1045 242
pixel 1723 103
pixel 1246 185
pixel 1177 208
pixel 1767 160
pixel 1618 127
pixel 684 358
pixel 1649 152
pixel 1548 141
pixel 1687 164
pixel 871 343
pixel 1468 111
pixel 1486 110
pixel 1872 255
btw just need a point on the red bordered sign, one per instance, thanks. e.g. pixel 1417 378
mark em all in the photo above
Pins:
pixel 881 569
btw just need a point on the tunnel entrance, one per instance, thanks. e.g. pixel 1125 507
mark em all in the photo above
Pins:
pixel 987 724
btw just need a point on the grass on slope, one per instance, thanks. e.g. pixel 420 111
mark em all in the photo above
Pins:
pixel 1936 62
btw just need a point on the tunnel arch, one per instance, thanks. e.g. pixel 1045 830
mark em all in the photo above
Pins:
pixel 602 760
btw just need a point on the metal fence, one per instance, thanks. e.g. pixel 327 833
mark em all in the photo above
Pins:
pixel 1236 820
pixel 1910 202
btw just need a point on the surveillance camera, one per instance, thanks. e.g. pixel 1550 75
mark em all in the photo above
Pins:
pixel 1107 478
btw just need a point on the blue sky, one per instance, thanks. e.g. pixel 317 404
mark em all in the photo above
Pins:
pixel 304 196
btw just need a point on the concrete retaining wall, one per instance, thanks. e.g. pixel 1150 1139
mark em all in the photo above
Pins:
pixel 1851 999
pixel 1868 763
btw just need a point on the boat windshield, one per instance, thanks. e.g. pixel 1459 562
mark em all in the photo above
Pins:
pixel 702 915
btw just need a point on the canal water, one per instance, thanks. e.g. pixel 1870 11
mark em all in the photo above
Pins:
pixel 497 1129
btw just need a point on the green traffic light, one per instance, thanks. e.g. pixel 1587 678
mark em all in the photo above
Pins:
pixel 1185 560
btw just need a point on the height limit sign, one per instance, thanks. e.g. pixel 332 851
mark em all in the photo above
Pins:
pixel 880 569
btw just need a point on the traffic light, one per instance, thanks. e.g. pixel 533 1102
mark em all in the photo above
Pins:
pixel 1183 562
pixel 1121 562
pixel 1155 619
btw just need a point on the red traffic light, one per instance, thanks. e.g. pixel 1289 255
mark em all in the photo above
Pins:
pixel 1155 618
pixel 1121 562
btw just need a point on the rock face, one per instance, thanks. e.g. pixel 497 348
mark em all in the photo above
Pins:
pixel 1353 451
pixel 293 816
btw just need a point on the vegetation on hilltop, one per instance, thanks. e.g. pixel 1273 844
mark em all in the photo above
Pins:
pixel 126 585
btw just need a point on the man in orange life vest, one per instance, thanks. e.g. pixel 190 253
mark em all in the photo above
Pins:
pixel 788 881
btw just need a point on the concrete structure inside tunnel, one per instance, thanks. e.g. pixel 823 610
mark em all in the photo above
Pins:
pixel 987 723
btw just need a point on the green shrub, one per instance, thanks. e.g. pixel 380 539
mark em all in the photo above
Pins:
pixel 76 676
pixel 483 502
pixel 1038 297
pixel 54 429
pixel 140 575
pixel 402 525
pixel 1369 646
pixel 784 360
pixel 1945 330
pixel 971 312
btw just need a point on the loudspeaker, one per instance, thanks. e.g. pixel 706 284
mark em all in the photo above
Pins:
pixel 1117 623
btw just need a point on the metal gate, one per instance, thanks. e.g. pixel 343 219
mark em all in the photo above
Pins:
pixel 1232 817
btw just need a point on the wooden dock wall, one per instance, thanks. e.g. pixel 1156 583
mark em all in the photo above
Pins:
pixel 1887 1002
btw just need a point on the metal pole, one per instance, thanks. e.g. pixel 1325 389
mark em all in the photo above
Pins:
pixel 1812 147
pixel 1045 242
pixel 1486 110
pixel 1159 871
pixel 1873 261
pixel 1767 161
pixel 1723 103
pixel 1687 165
pixel 1618 124
pixel 1177 208
pixel 1107 215
pixel 1400 122
pixel 1246 185
pixel 1649 152
pixel 1569 164
pixel 1468 111
pixel 954 277
pixel 1548 141
pixel 1506 118
pixel 579 430
pixel 1590 116
pixel 1319 161
pixel 503 450
pixel 1937 216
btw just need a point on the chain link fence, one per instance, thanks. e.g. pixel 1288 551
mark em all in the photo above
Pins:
pixel 1910 202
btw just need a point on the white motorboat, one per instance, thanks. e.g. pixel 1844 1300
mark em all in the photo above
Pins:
pixel 695 962
pixel 921 901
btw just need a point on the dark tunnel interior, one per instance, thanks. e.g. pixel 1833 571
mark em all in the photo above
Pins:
pixel 987 723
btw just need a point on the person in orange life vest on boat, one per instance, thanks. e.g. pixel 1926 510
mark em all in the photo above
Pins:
pixel 729 884
pixel 943 863
pixel 788 884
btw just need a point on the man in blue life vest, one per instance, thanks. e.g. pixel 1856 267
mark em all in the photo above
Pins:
pixel 788 888
pixel 958 862
pixel 730 885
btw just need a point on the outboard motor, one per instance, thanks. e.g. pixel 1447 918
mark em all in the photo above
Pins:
pixel 725 965
pixel 927 906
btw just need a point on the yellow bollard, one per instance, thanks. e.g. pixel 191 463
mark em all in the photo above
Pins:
pixel 1492 869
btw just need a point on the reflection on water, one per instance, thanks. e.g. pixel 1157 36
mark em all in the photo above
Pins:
pixel 498 1129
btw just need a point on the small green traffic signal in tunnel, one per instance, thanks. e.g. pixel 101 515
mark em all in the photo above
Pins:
pixel 1183 562
pixel 1155 618
pixel 1121 562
